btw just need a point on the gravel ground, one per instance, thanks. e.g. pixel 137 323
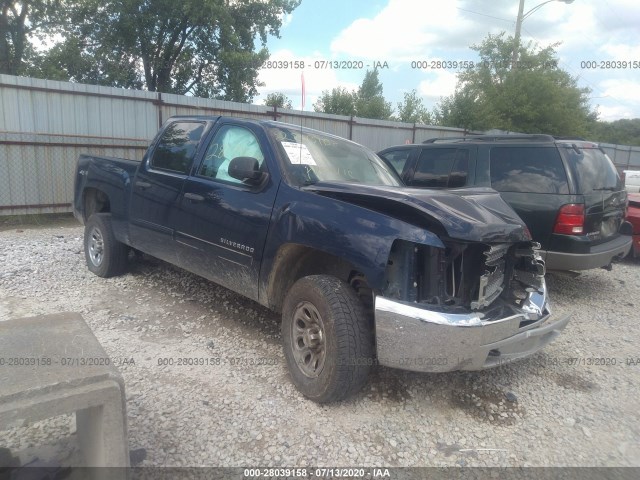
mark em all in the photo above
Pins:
pixel 555 409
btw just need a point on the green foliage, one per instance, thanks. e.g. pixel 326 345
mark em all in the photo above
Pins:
pixel 19 21
pixel 621 132
pixel 201 47
pixel 338 101
pixel 412 110
pixel 369 101
pixel 535 97
pixel 277 99
pixel 68 61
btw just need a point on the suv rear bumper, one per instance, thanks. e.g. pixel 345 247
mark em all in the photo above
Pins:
pixel 598 255
pixel 411 337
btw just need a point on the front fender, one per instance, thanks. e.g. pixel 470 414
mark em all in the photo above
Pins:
pixel 355 234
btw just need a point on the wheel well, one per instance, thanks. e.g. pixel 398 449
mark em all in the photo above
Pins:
pixel 294 262
pixel 95 201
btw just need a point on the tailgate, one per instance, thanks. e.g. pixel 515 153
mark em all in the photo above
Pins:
pixel 600 185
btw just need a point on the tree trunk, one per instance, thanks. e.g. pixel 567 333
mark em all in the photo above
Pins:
pixel 5 48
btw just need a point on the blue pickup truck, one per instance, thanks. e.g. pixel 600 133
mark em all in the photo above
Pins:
pixel 363 270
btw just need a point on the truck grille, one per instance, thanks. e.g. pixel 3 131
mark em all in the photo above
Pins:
pixel 492 280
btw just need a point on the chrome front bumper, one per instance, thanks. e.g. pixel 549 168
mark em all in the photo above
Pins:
pixel 411 337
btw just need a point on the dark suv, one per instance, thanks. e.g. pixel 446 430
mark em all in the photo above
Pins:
pixel 568 192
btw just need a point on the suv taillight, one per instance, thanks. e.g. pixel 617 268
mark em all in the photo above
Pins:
pixel 570 219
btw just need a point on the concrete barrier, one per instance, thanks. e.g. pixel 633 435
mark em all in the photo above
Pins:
pixel 53 365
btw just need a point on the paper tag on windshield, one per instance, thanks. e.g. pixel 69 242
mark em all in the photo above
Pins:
pixel 298 153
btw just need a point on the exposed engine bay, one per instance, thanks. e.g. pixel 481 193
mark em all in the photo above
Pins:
pixel 463 276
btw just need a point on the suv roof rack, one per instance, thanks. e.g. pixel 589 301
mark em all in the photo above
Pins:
pixel 494 138
pixel 580 139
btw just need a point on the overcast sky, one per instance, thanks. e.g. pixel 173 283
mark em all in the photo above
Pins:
pixel 401 31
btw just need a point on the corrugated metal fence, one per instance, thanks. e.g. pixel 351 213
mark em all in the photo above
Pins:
pixel 45 125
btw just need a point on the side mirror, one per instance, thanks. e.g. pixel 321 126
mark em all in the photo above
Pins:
pixel 246 169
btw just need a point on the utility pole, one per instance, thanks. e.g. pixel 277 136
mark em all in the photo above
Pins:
pixel 516 40
pixel 520 19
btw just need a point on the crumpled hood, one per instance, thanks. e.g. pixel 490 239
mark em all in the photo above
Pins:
pixel 473 214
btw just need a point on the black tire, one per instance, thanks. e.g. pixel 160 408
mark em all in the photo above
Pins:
pixel 347 338
pixel 105 256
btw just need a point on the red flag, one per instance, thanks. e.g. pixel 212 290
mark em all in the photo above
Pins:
pixel 303 92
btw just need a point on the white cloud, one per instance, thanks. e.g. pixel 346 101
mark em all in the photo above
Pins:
pixel 609 114
pixel 626 90
pixel 286 20
pixel 622 52
pixel 403 30
pixel 439 84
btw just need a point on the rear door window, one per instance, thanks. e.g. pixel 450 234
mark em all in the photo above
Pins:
pixel 594 170
pixel 528 169
pixel 177 147
pixel 442 168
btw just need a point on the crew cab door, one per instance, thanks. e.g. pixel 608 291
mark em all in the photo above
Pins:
pixel 222 222
pixel 157 187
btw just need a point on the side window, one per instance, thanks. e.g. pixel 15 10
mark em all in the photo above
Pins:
pixel 177 147
pixel 397 159
pixel 229 142
pixel 442 168
pixel 528 169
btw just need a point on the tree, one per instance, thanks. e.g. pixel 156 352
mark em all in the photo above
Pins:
pixel 277 99
pixel 412 110
pixel 537 97
pixel 202 47
pixel 460 110
pixel 621 132
pixel 367 102
pixel 338 101
pixel 370 102
pixel 18 21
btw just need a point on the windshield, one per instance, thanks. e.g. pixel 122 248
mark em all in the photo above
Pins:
pixel 312 157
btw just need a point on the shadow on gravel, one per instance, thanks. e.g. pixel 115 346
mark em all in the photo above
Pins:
pixel 233 310
pixel 485 396
pixel 582 285
pixel 387 384
pixel 575 382
pixel 35 221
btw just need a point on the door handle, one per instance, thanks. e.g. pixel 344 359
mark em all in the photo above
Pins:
pixel 194 197
pixel 143 185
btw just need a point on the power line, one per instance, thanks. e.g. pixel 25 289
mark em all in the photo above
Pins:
pixel 485 15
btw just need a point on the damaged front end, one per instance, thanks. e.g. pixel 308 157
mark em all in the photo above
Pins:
pixel 467 306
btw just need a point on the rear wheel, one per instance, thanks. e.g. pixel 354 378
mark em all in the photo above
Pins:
pixel 105 256
pixel 328 338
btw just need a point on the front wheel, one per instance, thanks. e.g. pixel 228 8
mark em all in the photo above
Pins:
pixel 106 256
pixel 328 338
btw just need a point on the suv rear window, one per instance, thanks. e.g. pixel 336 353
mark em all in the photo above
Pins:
pixel 528 169
pixel 442 168
pixel 594 170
